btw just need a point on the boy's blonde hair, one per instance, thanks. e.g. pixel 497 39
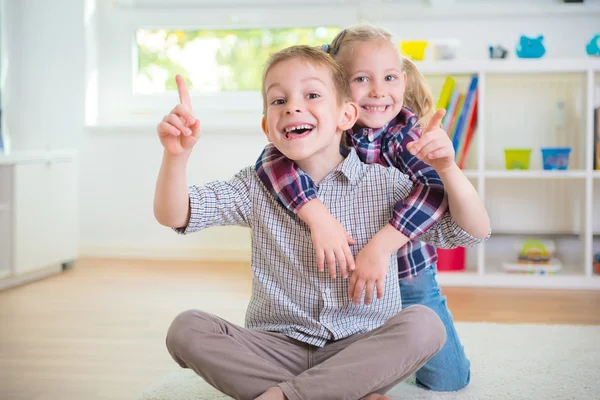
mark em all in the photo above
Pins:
pixel 417 95
pixel 316 57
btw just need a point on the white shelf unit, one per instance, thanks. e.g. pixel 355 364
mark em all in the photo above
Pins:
pixel 517 107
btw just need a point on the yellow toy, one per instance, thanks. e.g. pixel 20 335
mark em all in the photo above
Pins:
pixel 414 49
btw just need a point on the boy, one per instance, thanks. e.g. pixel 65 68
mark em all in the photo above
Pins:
pixel 305 338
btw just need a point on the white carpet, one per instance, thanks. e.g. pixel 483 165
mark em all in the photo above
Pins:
pixel 507 362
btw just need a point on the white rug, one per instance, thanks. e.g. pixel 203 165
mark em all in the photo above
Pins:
pixel 507 362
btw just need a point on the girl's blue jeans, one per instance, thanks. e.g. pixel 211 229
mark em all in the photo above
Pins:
pixel 448 370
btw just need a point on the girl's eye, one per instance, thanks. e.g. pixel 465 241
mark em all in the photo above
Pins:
pixel 277 102
pixel 390 78
pixel 313 96
pixel 361 79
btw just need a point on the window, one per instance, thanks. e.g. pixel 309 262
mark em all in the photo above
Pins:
pixel 223 60
pixel 135 49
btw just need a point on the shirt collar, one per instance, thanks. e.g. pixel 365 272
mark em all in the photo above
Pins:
pixel 351 167
pixel 404 117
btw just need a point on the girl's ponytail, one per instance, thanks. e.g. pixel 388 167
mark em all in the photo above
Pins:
pixel 417 95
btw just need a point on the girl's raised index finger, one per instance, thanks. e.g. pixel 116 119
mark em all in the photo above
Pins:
pixel 184 95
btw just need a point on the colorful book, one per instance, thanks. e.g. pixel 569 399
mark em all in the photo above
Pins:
pixel 465 111
pixel 446 93
pixel 470 133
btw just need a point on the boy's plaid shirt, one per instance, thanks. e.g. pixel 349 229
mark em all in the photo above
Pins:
pixel 289 294
pixel 385 146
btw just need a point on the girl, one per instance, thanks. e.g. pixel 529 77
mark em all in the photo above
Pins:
pixel 394 102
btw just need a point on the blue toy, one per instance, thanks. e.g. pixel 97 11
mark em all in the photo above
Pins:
pixel 530 47
pixel 593 47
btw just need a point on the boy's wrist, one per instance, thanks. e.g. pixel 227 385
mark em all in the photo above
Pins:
pixel 179 160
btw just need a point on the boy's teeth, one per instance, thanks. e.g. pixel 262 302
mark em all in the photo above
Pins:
pixel 291 128
pixel 380 108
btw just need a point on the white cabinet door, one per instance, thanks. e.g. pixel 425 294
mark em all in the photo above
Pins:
pixel 5 219
pixel 45 214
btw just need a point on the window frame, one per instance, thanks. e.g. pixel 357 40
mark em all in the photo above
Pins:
pixel 116 57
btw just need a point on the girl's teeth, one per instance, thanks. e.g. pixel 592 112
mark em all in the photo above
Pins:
pixel 382 108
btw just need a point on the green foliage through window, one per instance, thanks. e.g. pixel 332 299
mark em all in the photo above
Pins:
pixel 214 60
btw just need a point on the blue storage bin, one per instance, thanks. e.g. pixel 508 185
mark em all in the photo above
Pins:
pixel 556 157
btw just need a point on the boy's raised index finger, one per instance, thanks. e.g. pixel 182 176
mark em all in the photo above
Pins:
pixel 184 94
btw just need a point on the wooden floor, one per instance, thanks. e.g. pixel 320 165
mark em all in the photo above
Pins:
pixel 97 331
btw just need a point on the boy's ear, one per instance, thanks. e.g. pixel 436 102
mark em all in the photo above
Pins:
pixel 263 125
pixel 349 116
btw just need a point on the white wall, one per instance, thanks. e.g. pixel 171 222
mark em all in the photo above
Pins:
pixel 118 168
pixel 45 78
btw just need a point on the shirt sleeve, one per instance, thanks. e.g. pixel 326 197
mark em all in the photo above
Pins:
pixel 447 234
pixel 427 202
pixel 220 203
pixel 284 180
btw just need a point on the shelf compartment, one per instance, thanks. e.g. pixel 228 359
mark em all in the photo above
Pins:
pixel 525 206
pixel 554 117
pixel 569 249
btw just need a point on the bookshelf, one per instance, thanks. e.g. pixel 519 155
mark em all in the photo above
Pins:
pixel 531 104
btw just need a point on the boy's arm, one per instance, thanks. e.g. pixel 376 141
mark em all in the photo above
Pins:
pixel 178 133
pixel 297 192
pixel 171 200
pixel 219 203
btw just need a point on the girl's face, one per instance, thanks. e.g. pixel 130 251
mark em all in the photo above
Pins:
pixel 377 82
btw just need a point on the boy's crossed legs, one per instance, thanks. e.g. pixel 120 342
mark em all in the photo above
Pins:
pixel 244 364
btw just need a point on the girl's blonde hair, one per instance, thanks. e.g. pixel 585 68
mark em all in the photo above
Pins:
pixel 315 56
pixel 417 95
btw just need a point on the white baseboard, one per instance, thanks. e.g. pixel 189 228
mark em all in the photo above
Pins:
pixel 165 253
pixel 15 280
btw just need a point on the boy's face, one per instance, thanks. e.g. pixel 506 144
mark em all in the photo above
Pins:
pixel 377 82
pixel 303 118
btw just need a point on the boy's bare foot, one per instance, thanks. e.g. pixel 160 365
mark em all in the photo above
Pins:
pixel 376 396
pixel 273 393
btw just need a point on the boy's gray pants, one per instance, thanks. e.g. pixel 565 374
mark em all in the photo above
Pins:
pixel 244 363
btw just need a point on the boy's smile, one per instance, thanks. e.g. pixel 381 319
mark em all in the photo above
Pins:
pixel 297 130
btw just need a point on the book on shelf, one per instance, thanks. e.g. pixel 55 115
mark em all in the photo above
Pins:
pixel 597 138
pixel 460 120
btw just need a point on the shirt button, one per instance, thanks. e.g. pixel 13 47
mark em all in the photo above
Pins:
pixel 327 291
pixel 365 133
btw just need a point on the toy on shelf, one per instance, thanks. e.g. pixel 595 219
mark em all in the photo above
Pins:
pixel 517 158
pixel 414 50
pixel 556 158
pixel 444 49
pixel 498 52
pixel 530 47
pixel 597 263
pixel 593 47
pixel 535 257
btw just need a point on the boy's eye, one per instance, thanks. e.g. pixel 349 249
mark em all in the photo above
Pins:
pixel 361 79
pixel 313 96
pixel 277 102
pixel 390 78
